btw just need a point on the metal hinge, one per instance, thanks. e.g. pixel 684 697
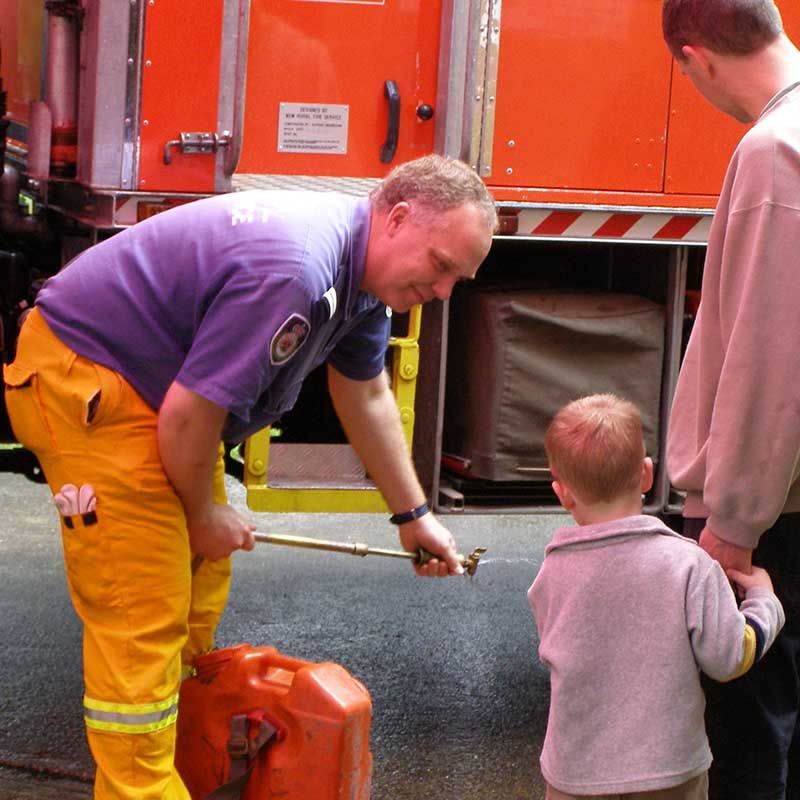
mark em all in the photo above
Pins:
pixel 197 142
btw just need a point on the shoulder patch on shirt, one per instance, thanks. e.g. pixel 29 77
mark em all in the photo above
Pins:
pixel 288 339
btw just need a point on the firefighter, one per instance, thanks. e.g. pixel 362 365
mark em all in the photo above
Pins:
pixel 734 432
pixel 196 326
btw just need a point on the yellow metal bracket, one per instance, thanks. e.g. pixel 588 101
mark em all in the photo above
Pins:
pixel 263 497
pixel 405 368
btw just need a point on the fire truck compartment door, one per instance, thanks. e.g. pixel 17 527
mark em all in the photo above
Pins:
pixel 21 40
pixel 581 96
pixel 701 138
pixel 189 83
pixel 316 101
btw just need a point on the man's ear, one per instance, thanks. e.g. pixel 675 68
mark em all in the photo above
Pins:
pixel 397 215
pixel 564 495
pixel 647 474
pixel 698 59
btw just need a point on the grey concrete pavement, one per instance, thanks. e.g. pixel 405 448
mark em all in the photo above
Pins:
pixel 459 699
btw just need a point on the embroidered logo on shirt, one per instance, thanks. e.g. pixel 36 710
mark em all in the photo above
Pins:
pixel 288 339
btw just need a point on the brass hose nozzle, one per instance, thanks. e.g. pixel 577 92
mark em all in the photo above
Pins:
pixel 469 563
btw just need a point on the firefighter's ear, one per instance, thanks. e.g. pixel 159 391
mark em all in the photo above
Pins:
pixel 397 216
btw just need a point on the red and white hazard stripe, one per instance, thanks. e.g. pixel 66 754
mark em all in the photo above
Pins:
pixel 609 225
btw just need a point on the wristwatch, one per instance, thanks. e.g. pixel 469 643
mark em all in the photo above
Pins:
pixel 408 516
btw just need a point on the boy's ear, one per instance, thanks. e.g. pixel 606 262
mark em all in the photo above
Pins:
pixel 565 496
pixel 647 474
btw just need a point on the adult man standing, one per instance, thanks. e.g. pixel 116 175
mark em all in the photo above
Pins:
pixel 198 325
pixel 734 432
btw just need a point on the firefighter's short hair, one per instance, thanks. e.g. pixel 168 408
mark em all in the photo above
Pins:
pixel 729 27
pixel 433 184
pixel 595 446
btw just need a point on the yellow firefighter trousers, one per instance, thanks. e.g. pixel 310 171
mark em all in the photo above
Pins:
pixel 129 574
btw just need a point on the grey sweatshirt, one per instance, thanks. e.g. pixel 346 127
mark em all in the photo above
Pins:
pixel 628 613
pixel 733 441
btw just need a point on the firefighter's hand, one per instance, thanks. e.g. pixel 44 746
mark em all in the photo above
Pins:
pixel 219 531
pixel 428 533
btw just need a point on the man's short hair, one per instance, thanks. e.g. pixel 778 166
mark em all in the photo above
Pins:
pixel 595 445
pixel 729 27
pixel 434 183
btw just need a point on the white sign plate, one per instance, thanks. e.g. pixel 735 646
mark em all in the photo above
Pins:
pixel 312 128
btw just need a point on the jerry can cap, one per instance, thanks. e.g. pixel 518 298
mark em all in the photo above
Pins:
pixel 215 659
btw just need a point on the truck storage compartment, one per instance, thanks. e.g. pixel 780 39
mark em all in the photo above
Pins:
pixel 519 356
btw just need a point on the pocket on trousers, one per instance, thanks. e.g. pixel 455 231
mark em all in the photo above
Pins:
pixel 90 572
pixel 25 408
pixel 91 393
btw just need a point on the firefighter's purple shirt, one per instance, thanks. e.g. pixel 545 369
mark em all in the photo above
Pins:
pixel 237 297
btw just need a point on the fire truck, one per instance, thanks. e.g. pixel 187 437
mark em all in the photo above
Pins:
pixel 603 159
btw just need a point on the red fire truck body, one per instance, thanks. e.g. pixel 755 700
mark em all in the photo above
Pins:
pixel 604 160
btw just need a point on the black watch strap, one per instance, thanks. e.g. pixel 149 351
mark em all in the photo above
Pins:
pixel 408 516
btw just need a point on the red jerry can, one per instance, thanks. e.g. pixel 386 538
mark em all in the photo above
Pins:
pixel 315 719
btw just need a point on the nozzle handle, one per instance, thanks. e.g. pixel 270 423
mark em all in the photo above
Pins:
pixel 470 562
pixel 423 556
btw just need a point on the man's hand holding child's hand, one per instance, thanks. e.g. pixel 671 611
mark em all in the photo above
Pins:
pixel 743 582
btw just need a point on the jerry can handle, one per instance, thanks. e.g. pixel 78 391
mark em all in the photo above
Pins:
pixel 287 662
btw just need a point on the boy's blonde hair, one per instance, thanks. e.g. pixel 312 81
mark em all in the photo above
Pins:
pixel 595 445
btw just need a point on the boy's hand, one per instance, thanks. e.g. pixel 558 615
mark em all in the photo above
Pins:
pixel 743 582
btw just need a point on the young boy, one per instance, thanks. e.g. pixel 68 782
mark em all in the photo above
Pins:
pixel 628 613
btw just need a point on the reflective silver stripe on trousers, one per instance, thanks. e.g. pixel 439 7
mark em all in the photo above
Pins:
pixel 129 719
